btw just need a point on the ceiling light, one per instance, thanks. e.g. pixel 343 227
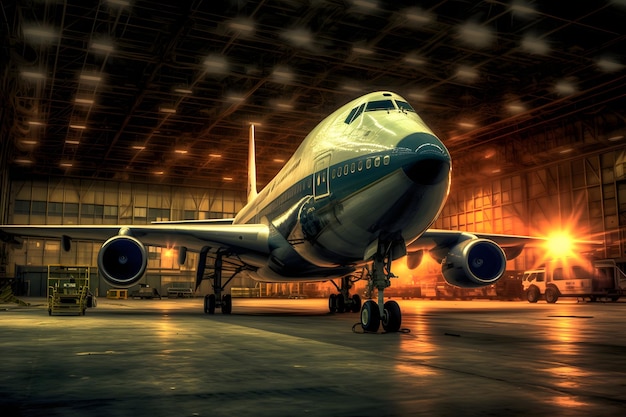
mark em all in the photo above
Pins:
pixel 29 142
pixel 80 100
pixel 159 172
pixel 476 35
pixel 138 147
pixel 521 8
pixel 515 108
pixel 90 78
pixel 565 87
pixel 227 178
pixel 416 16
pixel 66 164
pixel 301 37
pixel 169 110
pixel 414 59
pixel 77 126
pixel 40 33
pixel 181 151
pixel 215 155
pixel 279 160
pixel 566 150
pixel 615 138
pixel 363 50
pixel 243 26
pixel 607 64
pixel 467 73
pixel 103 46
pixel 33 75
pixel 467 125
pixel 119 3
pixel 72 141
pixel 24 161
pixel 216 64
pixel 35 123
pixel 183 90
pixel 534 45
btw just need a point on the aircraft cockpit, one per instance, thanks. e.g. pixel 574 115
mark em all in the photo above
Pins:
pixel 377 105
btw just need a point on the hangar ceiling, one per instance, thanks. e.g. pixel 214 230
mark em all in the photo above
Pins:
pixel 164 91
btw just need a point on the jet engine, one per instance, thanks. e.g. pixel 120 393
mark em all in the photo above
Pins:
pixel 474 263
pixel 122 260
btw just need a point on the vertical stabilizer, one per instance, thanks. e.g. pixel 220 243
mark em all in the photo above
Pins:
pixel 252 192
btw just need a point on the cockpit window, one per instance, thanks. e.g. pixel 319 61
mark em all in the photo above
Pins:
pixel 403 105
pixel 354 113
pixel 380 105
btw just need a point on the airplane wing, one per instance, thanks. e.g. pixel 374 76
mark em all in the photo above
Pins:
pixel 194 235
pixel 436 241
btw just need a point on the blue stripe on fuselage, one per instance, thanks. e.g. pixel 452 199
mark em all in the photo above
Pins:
pixel 347 177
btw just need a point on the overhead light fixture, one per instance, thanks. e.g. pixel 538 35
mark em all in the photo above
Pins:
pixel 279 160
pixel 77 126
pixel 66 164
pixel 82 100
pixel 40 34
pixel 159 172
pixel 33 75
pixel 227 178
pixel 138 147
pixel 72 142
pixel 183 90
pixel 216 64
pixel 103 46
pixel 181 151
pixel 615 138
pixel 23 161
pixel 90 78
pixel 169 110
pixel 566 150
pixel 29 142
pixel 467 125
pixel 215 155
pixel 35 123
pixel 118 3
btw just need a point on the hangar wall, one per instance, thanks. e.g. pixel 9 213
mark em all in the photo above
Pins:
pixel 73 201
pixel 584 194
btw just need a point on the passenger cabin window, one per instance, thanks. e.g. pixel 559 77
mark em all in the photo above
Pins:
pixel 403 105
pixel 354 113
pixel 380 105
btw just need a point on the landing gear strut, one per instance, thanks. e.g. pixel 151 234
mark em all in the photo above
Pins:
pixel 217 300
pixel 388 313
pixel 342 301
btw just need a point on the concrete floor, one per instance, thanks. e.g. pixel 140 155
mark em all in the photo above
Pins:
pixel 290 357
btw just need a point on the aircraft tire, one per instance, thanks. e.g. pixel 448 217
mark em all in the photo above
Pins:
pixel 332 305
pixel 392 317
pixel 209 304
pixel 356 303
pixel 341 303
pixel 370 316
pixel 227 304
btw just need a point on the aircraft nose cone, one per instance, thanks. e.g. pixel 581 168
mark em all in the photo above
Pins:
pixel 428 171
pixel 430 163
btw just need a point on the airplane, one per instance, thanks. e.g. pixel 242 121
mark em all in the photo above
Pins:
pixel 361 191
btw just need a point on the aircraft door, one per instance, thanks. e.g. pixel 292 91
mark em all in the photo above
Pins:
pixel 321 179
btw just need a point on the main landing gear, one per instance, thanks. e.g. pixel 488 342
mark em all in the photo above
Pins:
pixel 217 300
pixel 386 313
pixel 342 301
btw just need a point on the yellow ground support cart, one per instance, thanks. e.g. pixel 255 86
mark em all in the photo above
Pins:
pixel 68 289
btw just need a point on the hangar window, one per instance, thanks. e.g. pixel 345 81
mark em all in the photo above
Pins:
pixel 354 113
pixel 22 207
pixel 403 105
pixel 380 105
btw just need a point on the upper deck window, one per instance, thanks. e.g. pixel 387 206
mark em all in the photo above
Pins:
pixel 403 105
pixel 380 105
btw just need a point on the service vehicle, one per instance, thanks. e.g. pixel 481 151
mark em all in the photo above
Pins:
pixel 581 278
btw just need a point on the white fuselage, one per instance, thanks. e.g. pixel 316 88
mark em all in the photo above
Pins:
pixel 371 172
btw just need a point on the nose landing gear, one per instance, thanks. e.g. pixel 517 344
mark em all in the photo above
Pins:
pixel 386 313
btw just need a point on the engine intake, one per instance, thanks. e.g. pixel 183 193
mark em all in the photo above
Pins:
pixel 474 263
pixel 122 260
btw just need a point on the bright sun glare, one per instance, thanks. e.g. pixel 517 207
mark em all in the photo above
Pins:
pixel 560 245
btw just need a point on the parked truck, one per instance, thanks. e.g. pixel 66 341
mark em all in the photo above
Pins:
pixel 581 278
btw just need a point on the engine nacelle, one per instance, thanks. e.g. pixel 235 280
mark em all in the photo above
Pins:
pixel 474 263
pixel 122 260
